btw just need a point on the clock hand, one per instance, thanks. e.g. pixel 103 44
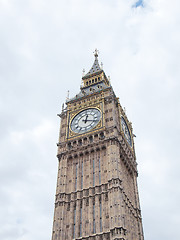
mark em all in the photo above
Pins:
pixel 89 120
pixel 86 118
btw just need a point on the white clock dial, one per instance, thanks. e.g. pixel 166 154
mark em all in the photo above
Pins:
pixel 126 131
pixel 85 120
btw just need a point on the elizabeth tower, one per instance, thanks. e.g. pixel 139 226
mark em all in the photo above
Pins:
pixel 97 195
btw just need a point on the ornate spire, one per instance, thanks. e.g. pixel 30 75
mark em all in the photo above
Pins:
pixel 96 52
pixel 96 67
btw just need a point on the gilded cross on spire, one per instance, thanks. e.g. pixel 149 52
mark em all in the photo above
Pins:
pixel 96 52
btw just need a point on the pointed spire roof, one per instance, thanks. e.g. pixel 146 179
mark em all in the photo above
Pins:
pixel 95 67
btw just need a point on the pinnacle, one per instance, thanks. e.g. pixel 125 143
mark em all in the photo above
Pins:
pixel 95 67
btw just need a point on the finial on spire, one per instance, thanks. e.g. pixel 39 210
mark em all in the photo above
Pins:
pixel 101 65
pixel 96 52
pixel 82 83
pixel 109 79
pixel 83 72
pixel 67 96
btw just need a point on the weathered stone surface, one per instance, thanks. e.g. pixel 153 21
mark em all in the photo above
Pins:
pixel 97 195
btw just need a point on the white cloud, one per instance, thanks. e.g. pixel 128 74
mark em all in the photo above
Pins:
pixel 44 47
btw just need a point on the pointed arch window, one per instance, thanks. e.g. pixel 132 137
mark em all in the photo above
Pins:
pixel 93 173
pixel 82 176
pixel 74 224
pixel 94 219
pixel 80 227
pixel 76 170
pixel 100 210
pixel 99 171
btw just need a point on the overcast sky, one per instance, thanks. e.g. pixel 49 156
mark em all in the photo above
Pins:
pixel 44 46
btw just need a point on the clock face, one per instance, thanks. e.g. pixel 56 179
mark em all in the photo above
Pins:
pixel 126 131
pixel 85 120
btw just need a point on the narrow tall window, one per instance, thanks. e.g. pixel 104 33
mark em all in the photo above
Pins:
pixel 74 226
pixel 99 171
pixel 80 227
pixel 94 223
pixel 60 167
pixel 76 177
pixel 82 176
pixel 100 206
pixel 93 173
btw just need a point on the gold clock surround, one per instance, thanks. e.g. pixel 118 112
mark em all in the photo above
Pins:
pixel 72 114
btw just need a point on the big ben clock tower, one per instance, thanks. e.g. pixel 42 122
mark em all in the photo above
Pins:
pixel 97 195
